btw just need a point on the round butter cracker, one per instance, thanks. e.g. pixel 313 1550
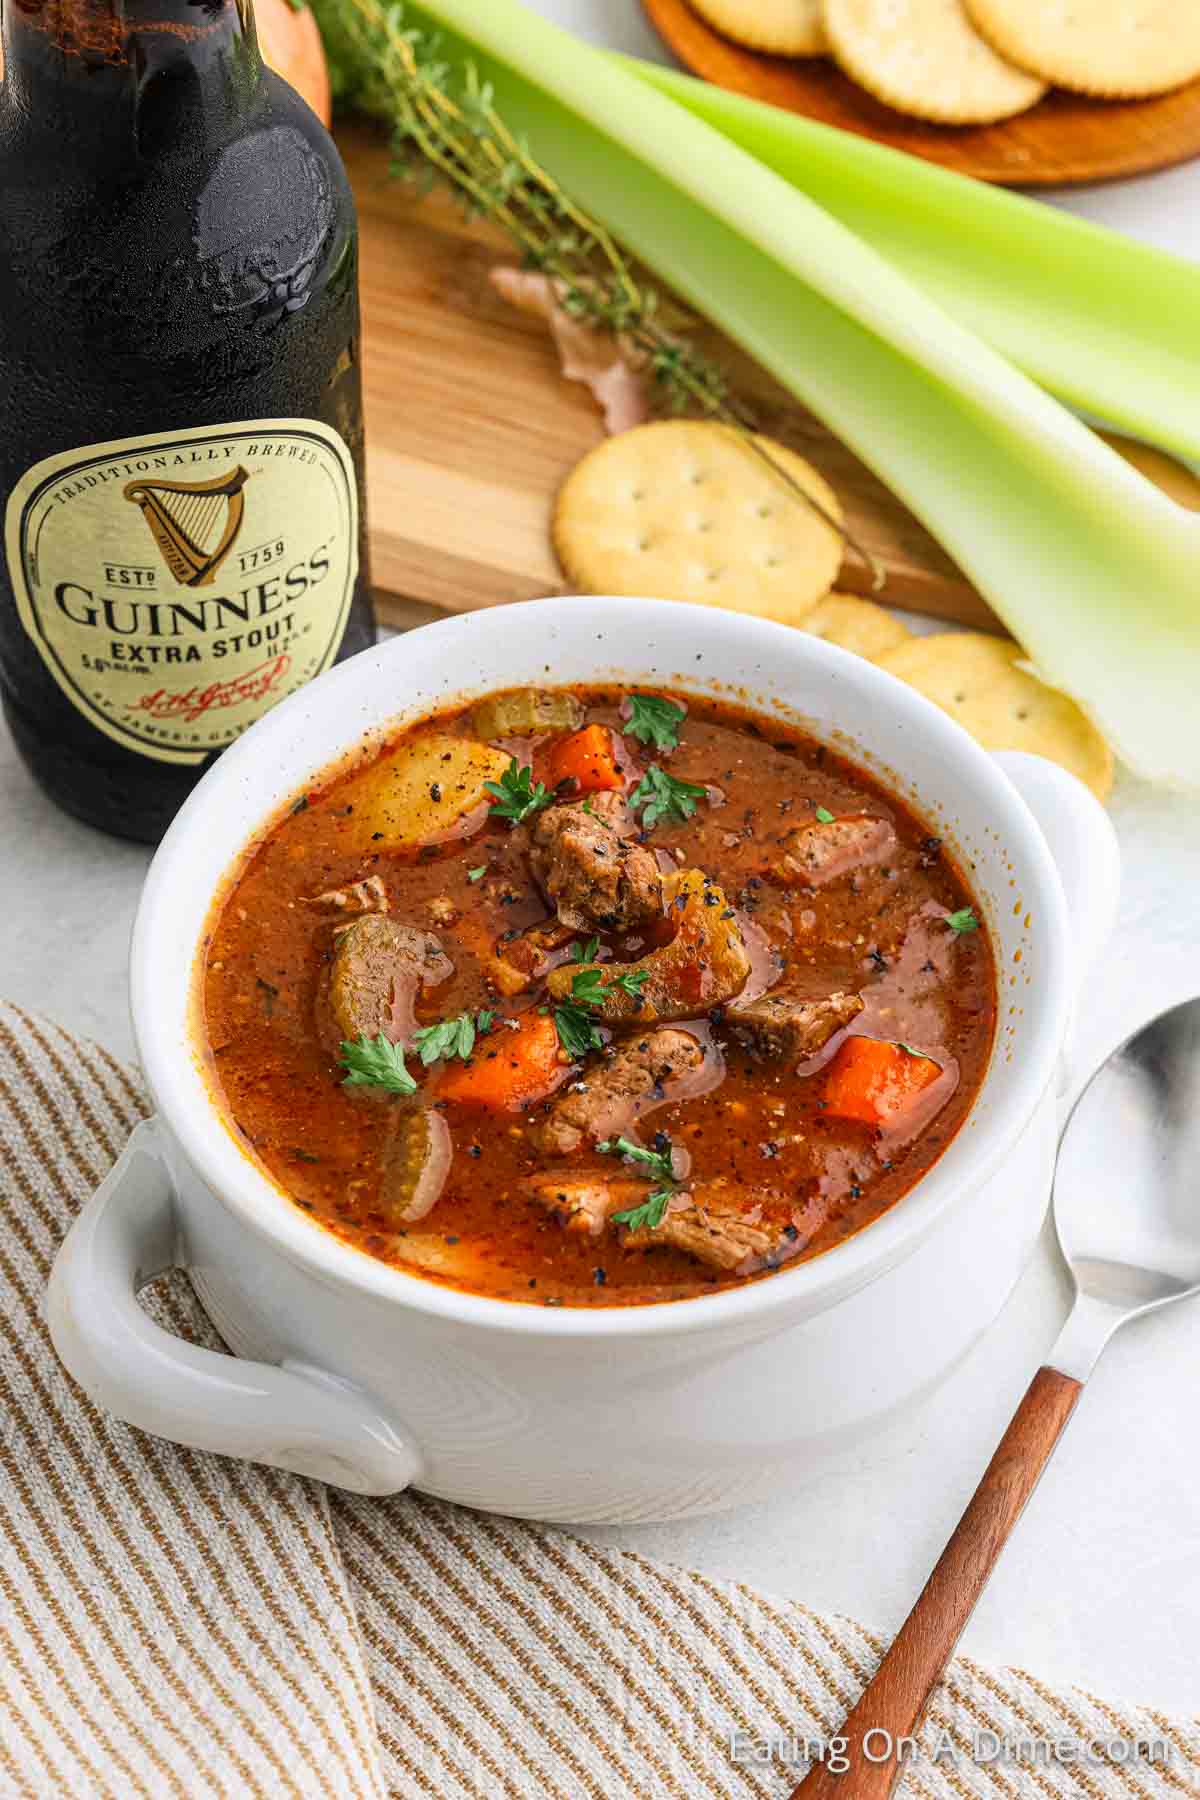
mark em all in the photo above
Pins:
pixel 978 680
pixel 684 510
pixel 1116 49
pixel 924 58
pixel 868 630
pixel 783 27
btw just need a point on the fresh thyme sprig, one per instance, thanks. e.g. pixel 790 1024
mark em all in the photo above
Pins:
pixel 445 124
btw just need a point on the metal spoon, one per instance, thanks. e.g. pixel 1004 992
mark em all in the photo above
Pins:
pixel 1127 1212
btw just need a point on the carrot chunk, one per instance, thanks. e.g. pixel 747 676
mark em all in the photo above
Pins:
pixel 875 1082
pixel 509 1070
pixel 586 758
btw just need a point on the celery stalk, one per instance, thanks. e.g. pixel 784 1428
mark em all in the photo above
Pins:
pixel 1090 566
pixel 1106 323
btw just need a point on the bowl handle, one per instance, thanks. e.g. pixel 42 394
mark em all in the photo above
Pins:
pixel 1083 844
pixel 289 1416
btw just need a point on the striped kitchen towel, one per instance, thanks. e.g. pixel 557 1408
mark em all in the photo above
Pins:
pixel 175 1624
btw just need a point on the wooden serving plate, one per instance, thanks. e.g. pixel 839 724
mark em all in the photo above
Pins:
pixel 1065 139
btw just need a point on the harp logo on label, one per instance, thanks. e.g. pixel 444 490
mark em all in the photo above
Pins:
pixel 194 523
pixel 174 630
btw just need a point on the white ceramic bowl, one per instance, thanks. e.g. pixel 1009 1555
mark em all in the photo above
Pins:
pixel 373 1378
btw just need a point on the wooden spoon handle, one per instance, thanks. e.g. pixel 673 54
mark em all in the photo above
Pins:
pixel 892 1705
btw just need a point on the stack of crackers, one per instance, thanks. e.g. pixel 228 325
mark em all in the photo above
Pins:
pixel 687 510
pixel 972 62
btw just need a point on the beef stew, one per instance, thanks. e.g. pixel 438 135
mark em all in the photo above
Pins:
pixel 597 998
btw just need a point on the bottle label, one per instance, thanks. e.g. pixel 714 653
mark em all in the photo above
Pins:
pixel 179 585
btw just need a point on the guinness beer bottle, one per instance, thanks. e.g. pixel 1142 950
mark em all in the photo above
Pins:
pixel 180 415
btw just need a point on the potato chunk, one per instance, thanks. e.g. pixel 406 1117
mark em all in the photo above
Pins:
pixel 429 789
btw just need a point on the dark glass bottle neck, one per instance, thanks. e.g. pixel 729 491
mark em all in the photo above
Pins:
pixel 88 68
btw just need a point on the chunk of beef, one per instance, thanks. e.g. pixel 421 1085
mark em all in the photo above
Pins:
pixel 705 964
pixel 367 895
pixel 592 873
pixel 711 1226
pixel 517 964
pixel 612 809
pixel 782 1024
pixel 816 854
pixel 605 1103
pixel 378 968
pixel 717 1223
pixel 583 1202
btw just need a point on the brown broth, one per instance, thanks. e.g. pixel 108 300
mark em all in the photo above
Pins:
pixel 880 931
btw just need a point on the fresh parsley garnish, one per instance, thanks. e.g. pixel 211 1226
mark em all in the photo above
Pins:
pixel 659 1164
pixel 576 1029
pixel 477 874
pixel 649 1214
pixel 660 796
pixel 962 921
pixel 654 721
pixel 451 1037
pixel 824 816
pixel 376 1062
pixel 587 988
pixel 516 795
pixel 631 983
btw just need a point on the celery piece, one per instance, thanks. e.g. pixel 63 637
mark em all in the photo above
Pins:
pixel 1090 566
pixel 1106 323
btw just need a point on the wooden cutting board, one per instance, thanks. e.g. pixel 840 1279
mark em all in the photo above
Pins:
pixel 471 426
pixel 1065 138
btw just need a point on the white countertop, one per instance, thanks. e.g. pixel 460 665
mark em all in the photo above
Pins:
pixel 1101 1584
